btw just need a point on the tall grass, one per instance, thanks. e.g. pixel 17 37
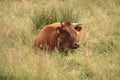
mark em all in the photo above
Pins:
pixel 51 15
pixel 98 57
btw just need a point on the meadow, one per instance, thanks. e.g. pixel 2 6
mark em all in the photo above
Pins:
pixel 98 57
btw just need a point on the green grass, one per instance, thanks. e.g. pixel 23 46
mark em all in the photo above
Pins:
pixel 51 15
pixel 98 58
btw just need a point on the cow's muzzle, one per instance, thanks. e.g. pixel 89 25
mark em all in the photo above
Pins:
pixel 74 45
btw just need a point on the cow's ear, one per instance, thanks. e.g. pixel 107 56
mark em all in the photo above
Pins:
pixel 59 29
pixel 78 28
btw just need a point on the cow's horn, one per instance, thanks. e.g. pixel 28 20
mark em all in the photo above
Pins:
pixel 77 24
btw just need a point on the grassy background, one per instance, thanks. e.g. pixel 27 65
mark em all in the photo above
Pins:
pixel 98 58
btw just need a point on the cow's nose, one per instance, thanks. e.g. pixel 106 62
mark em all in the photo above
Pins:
pixel 76 45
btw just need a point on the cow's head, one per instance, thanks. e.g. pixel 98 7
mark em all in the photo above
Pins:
pixel 68 33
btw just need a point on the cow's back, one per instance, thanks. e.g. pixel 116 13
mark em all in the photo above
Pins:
pixel 47 38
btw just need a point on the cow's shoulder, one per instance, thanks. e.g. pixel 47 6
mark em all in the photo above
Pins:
pixel 54 25
pixel 51 26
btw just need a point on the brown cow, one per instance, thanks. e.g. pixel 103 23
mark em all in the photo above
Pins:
pixel 60 36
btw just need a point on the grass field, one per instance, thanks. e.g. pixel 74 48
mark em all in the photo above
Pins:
pixel 98 58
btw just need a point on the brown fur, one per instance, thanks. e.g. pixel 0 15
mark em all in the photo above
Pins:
pixel 49 38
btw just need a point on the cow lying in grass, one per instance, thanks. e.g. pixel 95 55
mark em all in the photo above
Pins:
pixel 59 36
